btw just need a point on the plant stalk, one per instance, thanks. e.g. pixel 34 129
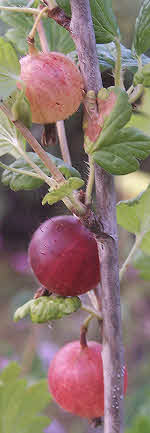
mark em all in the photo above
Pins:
pixel 118 80
pixel 113 356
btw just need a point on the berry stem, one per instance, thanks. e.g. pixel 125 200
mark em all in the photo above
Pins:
pixel 83 331
pixel 118 80
pixel 63 141
pixel 34 28
pixel 91 311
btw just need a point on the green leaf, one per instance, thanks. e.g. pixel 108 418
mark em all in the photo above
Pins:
pixel 10 138
pixel 10 373
pixel 141 262
pixel 141 41
pixel 143 76
pixel 47 308
pixel 20 405
pixel 9 69
pixel 134 216
pixel 23 311
pixel 107 57
pixel 126 147
pixel 19 24
pixel 37 425
pixel 63 190
pixel 141 424
pixel 22 181
pixel 58 37
pixel 21 109
pixel 104 21
pixel 105 25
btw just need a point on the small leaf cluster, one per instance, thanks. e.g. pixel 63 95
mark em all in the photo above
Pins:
pixel 21 404
pixel 48 308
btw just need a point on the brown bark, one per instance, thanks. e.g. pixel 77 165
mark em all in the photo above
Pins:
pixel 83 35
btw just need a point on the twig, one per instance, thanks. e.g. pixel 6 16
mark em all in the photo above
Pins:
pixel 63 141
pixel 113 361
pixel 57 175
pixel 72 203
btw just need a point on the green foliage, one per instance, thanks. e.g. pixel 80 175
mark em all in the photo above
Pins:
pixel 47 308
pixel 141 262
pixel 104 21
pixel 118 149
pixel 20 25
pixel 107 57
pixel 58 37
pixel 105 25
pixel 17 177
pixel 10 138
pixel 9 69
pixel 20 404
pixel 62 191
pixel 21 109
pixel 121 155
pixel 143 76
pixel 142 29
pixel 141 425
pixel 134 216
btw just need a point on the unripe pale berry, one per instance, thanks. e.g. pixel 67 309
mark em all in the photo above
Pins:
pixel 64 256
pixel 75 379
pixel 54 86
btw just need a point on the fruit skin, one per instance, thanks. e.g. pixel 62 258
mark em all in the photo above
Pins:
pixel 54 86
pixel 64 256
pixel 75 379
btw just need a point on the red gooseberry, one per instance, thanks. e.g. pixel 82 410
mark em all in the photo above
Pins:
pixel 64 256
pixel 75 379
pixel 54 86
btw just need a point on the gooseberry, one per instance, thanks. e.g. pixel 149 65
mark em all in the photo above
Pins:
pixel 64 256
pixel 75 379
pixel 54 86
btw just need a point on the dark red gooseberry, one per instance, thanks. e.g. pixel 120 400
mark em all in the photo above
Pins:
pixel 75 379
pixel 64 256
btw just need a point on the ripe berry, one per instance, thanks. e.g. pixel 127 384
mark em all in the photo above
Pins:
pixel 64 257
pixel 53 86
pixel 75 379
